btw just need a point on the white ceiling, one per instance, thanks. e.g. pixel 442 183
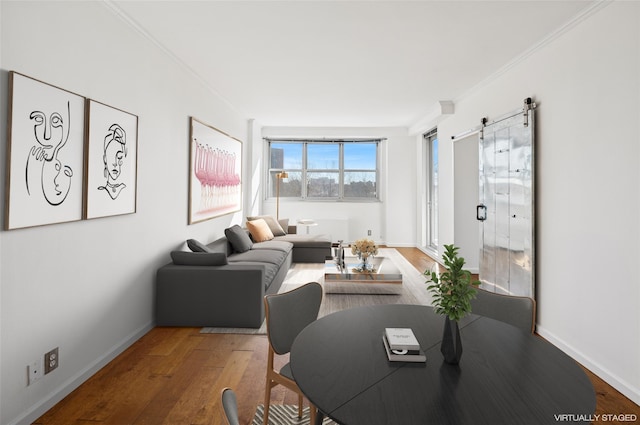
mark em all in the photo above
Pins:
pixel 346 63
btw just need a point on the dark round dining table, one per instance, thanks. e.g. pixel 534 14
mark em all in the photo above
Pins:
pixel 505 376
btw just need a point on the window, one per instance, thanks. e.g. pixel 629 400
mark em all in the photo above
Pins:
pixel 335 170
pixel 323 170
pixel 431 163
pixel 360 170
pixel 286 157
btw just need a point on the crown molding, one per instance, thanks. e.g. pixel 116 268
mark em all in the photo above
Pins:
pixel 432 118
pixel 128 20
pixel 589 11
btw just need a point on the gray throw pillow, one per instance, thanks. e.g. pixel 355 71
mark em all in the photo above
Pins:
pixel 284 223
pixel 186 258
pixel 238 238
pixel 197 246
pixel 275 227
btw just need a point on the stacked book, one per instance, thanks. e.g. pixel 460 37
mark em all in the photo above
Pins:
pixel 402 346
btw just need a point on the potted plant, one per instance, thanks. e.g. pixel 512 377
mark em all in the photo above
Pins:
pixel 452 292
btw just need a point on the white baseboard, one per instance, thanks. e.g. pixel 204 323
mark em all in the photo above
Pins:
pixel 431 253
pixel 74 382
pixel 610 378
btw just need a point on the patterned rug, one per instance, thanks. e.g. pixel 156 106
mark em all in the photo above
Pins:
pixel 414 291
pixel 285 415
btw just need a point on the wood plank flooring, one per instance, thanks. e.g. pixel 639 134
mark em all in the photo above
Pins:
pixel 174 376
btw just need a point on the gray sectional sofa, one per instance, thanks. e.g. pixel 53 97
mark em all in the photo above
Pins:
pixel 223 283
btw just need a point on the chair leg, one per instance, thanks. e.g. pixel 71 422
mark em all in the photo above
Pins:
pixel 300 406
pixel 267 402
pixel 312 414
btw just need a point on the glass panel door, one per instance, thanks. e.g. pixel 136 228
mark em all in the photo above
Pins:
pixel 506 192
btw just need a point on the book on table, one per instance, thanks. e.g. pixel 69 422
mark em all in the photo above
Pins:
pixel 401 339
pixel 414 356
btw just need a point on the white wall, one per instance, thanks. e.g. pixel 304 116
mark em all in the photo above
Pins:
pixel 586 82
pixel 466 194
pixel 87 287
pixel 57 284
pixel 253 183
pixel 392 220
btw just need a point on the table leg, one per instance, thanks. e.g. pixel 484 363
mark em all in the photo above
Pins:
pixel 319 418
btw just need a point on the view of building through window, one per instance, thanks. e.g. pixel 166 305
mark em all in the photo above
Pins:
pixel 325 170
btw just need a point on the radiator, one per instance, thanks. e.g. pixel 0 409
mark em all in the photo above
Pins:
pixel 336 228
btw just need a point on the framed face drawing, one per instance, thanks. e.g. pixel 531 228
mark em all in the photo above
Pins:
pixel 111 161
pixel 44 154
pixel 215 171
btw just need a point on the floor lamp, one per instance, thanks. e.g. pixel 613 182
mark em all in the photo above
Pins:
pixel 279 176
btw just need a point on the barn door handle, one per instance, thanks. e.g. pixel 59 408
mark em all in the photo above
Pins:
pixel 481 212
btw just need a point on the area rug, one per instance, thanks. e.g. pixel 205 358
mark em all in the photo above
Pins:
pixel 414 291
pixel 285 415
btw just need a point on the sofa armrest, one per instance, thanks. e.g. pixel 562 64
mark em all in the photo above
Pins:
pixel 229 296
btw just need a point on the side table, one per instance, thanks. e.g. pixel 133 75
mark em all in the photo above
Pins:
pixel 307 222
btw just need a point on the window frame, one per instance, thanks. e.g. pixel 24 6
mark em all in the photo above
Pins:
pixel 305 171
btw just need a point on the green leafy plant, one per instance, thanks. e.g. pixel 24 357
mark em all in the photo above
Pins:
pixel 453 289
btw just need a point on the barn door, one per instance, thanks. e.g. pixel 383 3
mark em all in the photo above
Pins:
pixel 506 207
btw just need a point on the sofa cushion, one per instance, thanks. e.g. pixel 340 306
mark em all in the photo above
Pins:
pixel 186 258
pixel 197 246
pixel 238 238
pixel 275 226
pixel 270 270
pixel 283 246
pixel 259 230
pixel 269 256
pixel 306 241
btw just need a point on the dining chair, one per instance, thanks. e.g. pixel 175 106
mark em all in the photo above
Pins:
pixel 515 310
pixel 230 406
pixel 287 314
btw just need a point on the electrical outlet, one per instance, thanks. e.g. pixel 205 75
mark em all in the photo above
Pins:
pixel 368 232
pixel 51 360
pixel 34 372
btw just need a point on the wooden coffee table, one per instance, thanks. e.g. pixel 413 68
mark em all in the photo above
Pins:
pixel 385 277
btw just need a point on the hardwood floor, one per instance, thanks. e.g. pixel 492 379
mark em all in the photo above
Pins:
pixel 174 376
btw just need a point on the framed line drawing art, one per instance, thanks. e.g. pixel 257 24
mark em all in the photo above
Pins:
pixel 45 147
pixel 111 161
pixel 215 186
